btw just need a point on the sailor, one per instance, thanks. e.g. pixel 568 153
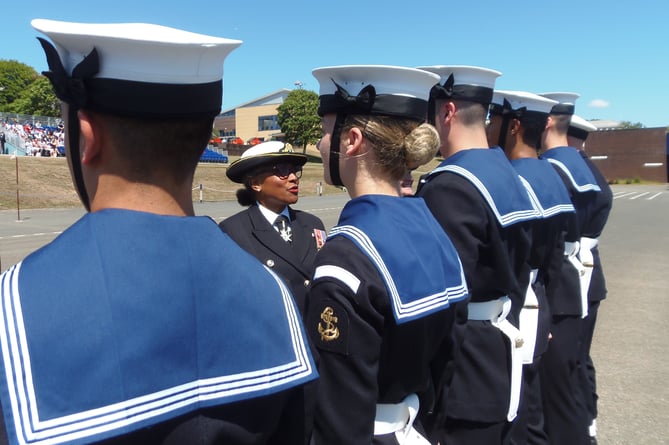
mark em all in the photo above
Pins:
pixel 566 418
pixel 481 203
pixel 381 307
pixel 517 120
pixel 284 239
pixel 578 132
pixel 155 328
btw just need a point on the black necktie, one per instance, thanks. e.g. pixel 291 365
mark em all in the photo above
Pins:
pixel 282 223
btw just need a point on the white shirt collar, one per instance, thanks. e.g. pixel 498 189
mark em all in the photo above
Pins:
pixel 270 216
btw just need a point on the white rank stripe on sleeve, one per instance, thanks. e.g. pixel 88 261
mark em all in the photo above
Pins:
pixel 339 273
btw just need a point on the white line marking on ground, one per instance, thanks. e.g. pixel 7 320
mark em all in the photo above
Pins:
pixel 640 195
pixel 25 235
pixel 623 195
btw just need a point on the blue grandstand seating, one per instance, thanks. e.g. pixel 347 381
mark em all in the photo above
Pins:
pixel 212 156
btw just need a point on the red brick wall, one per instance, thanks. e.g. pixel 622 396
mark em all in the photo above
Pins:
pixel 627 151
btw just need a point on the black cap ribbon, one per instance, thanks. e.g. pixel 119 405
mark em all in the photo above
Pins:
pixel 342 103
pixel 444 91
pixel 507 109
pixel 362 102
pixel 70 89
pixel 439 91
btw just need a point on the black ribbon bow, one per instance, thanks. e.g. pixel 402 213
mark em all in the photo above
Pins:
pixel 363 101
pixel 444 91
pixel 507 109
pixel 70 89
pixel 448 85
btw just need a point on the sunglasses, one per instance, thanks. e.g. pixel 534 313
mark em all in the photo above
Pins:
pixel 282 171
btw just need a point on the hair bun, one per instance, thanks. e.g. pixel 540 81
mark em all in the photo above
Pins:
pixel 421 145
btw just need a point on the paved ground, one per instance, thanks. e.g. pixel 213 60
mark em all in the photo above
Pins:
pixel 630 347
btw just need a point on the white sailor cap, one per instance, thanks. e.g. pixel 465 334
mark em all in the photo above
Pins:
pixel 521 103
pixel 135 69
pixel 374 89
pixel 471 83
pixel 566 101
pixel 579 127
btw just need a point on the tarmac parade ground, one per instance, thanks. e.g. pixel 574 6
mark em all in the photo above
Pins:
pixel 630 346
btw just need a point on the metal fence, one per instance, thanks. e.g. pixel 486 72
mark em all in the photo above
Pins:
pixel 48 121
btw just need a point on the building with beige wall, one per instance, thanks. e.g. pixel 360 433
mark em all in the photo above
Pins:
pixel 254 119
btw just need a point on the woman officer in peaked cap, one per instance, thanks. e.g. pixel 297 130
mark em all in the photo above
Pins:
pixel 284 239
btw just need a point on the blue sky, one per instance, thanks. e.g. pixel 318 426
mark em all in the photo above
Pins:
pixel 612 53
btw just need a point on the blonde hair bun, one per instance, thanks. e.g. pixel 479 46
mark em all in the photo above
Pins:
pixel 421 145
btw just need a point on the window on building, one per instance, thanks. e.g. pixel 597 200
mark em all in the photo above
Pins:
pixel 266 123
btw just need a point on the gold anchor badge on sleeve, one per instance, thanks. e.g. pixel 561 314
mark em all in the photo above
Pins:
pixel 329 331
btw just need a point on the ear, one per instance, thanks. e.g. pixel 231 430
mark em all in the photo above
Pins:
pixel 90 131
pixel 256 184
pixel 354 141
pixel 449 109
pixel 514 127
pixel 549 123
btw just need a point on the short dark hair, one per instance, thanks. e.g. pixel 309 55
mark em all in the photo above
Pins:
pixel 533 128
pixel 471 113
pixel 155 147
pixel 561 122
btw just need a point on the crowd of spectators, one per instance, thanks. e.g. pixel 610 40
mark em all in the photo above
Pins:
pixel 34 138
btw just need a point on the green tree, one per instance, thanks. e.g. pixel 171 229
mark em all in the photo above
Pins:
pixel 298 118
pixel 15 77
pixel 37 99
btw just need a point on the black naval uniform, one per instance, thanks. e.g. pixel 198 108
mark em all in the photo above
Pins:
pixel 548 190
pixel 565 413
pixel 380 313
pixel 494 251
pixel 599 214
pixel 292 262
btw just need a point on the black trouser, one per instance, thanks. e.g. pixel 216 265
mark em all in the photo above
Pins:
pixel 565 413
pixel 467 432
pixel 528 427
pixel 588 377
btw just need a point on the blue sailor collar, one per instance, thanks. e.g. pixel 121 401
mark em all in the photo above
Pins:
pixel 146 359
pixel 415 258
pixel 570 162
pixel 544 185
pixel 489 171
